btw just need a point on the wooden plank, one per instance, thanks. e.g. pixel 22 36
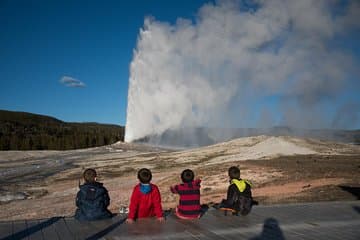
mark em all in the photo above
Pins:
pixel 105 227
pixel 105 223
pixel 214 224
pixel 121 229
pixel 49 232
pixel 62 230
pixel 198 232
pixel 31 229
pixel 5 229
pixel 149 228
pixel 171 229
pixel 178 230
pixel 79 229
pixel 37 228
pixel 122 232
pixel 34 229
pixel 172 225
pixel 218 218
pixel 19 230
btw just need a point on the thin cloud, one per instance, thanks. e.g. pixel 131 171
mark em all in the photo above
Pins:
pixel 71 82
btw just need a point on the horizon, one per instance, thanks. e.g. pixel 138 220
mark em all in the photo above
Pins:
pixel 229 128
pixel 71 61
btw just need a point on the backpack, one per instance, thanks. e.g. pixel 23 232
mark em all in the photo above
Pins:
pixel 92 201
pixel 243 201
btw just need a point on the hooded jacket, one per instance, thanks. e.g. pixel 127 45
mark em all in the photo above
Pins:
pixel 189 203
pixel 92 201
pixel 145 202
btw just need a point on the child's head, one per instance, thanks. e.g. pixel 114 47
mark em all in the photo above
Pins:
pixel 234 172
pixel 89 175
pixel 187 176
pixel 144 175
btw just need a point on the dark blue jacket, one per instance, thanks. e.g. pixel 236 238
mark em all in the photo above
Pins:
pixel 92 201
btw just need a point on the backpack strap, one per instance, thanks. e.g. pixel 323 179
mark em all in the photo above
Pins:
pixel 241 184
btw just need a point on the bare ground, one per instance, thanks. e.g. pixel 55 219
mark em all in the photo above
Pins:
pixel 44 184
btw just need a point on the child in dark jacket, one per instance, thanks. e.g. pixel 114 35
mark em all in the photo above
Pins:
pixel 145 199
pixel 92 199
pixel 189 191
pixel 239 197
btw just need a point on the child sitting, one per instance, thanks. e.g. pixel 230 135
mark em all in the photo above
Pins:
pixel 239 197
pixel 92 199
pixel 145 199
pixel 189 191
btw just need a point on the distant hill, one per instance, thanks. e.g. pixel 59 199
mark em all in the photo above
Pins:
pixel 27 131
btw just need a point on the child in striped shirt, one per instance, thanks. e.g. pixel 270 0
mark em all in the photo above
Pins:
pixel 189 191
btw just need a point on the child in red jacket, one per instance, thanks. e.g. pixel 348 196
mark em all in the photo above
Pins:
pixel 189 191
pixel 145 199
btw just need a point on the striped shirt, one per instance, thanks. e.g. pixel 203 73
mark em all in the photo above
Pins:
pixel 189 203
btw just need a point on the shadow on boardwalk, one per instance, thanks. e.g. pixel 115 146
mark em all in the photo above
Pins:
pixel 29 231
pixel 271 231
pixel 107 230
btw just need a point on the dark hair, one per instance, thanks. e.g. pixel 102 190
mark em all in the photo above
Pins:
pixel 187 176
pixel 89 175
pixel 234 172
pixel 144 175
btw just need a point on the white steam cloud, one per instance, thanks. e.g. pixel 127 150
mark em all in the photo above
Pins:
pixel 216 70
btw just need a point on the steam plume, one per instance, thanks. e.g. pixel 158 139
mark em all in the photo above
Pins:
pixel 242 64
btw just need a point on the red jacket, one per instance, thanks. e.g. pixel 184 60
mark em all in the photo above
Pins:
pixel 189 203
pixel 145 205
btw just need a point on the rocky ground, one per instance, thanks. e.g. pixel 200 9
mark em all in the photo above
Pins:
pixel 39 184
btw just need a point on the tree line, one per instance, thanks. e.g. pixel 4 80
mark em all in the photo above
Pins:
pixel 27 131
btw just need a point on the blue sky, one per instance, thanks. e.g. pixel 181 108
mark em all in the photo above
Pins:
pixel 91 41
pixel 70 59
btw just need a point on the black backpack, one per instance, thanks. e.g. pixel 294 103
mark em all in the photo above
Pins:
pixel 243 202
pixel 92 201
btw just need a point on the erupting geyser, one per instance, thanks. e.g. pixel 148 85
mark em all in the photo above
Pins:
pixel 243 65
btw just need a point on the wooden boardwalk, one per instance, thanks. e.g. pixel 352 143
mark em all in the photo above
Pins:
pixel 327 220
